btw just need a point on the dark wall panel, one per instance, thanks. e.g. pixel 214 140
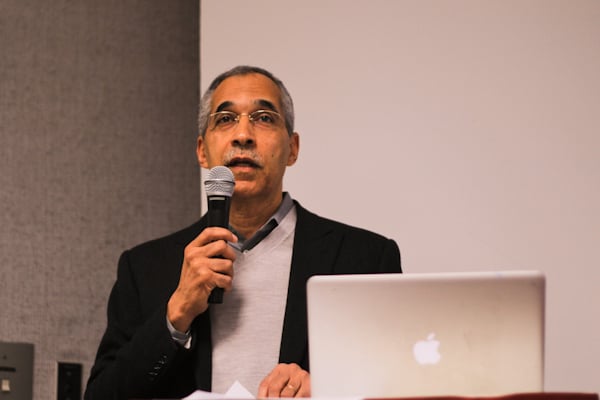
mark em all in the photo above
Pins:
pixel 97 133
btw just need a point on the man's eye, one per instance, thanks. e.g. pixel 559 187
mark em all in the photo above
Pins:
pixel 264 117
pixel 224 119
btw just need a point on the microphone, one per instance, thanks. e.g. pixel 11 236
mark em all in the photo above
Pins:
pixel 219 188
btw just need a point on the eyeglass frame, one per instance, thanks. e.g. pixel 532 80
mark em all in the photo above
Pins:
pixel 237 117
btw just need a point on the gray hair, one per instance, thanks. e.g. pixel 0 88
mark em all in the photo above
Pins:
pixel 287 104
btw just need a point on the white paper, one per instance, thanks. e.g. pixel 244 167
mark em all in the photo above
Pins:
pixel 236 391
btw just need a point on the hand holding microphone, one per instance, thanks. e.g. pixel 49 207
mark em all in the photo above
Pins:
pixel 207 263
pixel 208 259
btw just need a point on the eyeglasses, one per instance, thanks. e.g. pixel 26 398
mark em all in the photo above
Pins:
pixel 261 119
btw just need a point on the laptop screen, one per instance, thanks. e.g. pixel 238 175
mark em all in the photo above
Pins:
pixel 394 335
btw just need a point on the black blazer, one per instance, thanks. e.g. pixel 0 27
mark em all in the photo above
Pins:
pixel 137 357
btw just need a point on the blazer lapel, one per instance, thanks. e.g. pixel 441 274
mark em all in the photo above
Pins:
pixel 314 253
pixel 201 331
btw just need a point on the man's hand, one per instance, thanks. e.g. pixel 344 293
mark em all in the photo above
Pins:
pixel 286 380
pixel 207 263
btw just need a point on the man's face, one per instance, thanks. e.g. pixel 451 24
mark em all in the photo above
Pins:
pixel 256 156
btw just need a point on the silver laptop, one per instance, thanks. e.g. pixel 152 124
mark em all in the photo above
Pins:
pixel 16 371
pixel 395 335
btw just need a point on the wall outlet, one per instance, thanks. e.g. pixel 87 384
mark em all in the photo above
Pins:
pixel 69 381
pixel 16 370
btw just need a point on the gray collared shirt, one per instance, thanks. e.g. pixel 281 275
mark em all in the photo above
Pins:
pixel 244 244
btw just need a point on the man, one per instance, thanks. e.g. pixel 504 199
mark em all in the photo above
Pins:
pixel 163 340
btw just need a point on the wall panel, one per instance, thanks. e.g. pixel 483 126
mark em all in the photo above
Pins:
pixel 466 130
pixel 98 124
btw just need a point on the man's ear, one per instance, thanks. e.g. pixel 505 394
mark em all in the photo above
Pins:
pixel 294 149
pixel 201 152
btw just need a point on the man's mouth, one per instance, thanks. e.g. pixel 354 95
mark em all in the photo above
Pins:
pixel 242 162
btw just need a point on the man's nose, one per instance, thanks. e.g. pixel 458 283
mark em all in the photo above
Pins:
pixel 243 134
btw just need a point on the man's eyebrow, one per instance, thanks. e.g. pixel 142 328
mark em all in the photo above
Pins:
pixel 262 103
pixel 266 104
pixel 224 105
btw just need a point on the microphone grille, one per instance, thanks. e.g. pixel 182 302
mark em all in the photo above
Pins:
pixel 219 182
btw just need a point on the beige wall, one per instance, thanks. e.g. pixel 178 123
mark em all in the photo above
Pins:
pixel 97 133
pixel 469 131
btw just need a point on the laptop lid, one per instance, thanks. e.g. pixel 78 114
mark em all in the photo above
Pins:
pixel 394 335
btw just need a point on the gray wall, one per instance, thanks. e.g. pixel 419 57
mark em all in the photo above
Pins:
pixel 97 135
pixel 467 130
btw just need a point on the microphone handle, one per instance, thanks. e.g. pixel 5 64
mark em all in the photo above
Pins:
pixel 216 296
pixel 218 215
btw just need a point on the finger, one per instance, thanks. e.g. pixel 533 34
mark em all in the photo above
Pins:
pixel 262 389
pixel 223 278
pixel 212 234
pixel 299 384
pixel 218 265
pixel 217 249
pixel 198 256
pixel 272 384
pixel 304 389
pixel 290 389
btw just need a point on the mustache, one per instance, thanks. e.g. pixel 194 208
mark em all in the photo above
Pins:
pixel 247 157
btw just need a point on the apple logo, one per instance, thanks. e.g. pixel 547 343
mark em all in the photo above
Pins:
pixel 426 351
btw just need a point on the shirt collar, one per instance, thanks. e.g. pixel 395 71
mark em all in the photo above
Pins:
pixel 284 208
